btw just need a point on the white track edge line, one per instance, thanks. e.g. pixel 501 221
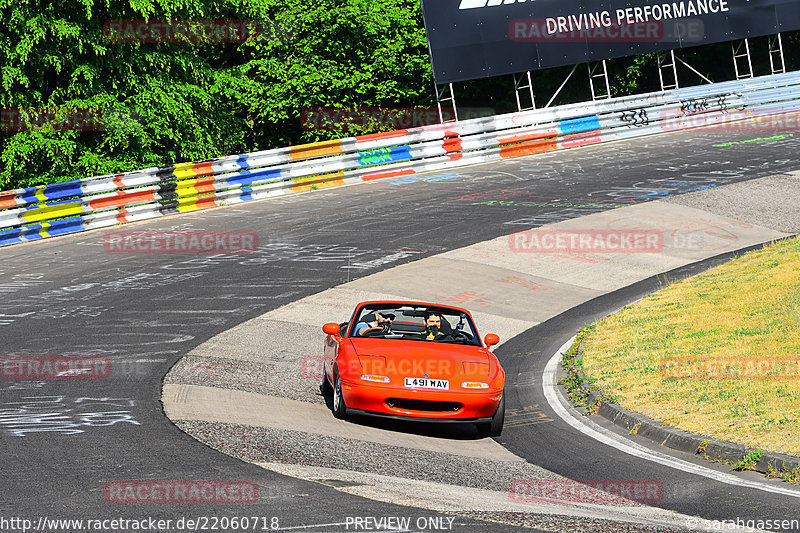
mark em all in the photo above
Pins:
pixel 603 435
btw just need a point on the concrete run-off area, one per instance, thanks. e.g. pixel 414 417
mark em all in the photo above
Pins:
pixel 252 391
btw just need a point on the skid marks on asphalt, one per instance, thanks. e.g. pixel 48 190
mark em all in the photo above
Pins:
pixel 525 416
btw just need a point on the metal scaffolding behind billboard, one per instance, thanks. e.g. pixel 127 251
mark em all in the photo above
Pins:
pixel 667 65
pixel 667 70
pixel 471 39
pixel 776 54
pixel 521 83
pixel 742 63
pixel 441 97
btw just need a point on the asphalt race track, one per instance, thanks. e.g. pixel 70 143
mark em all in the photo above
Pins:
pixel 63 440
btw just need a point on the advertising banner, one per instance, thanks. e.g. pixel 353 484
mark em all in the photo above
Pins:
pixel 472 39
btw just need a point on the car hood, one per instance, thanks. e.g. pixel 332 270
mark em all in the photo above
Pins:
pixel 400 358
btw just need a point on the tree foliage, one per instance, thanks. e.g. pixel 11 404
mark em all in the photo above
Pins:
pixel 164 102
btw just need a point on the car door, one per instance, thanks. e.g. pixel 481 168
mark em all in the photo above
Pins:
pixel 331 351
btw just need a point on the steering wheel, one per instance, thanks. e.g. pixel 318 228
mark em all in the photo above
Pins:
pixel 369 331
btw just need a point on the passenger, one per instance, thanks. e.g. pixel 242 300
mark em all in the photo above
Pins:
pixel 436 327
pixel 378 319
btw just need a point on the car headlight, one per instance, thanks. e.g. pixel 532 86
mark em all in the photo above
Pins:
pixel 474 385
pixel 375 378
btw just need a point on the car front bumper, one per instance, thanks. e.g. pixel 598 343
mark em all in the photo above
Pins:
pixel 423 405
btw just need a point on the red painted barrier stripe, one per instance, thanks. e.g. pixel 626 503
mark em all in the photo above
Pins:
pixel 8 200
pixel 524 137
pixel 120 199
pixel 452 145
pixel 378 136
pixel 526 144
pixel 205 185
pixel 206 201
pixel 369 176
pixel 203 169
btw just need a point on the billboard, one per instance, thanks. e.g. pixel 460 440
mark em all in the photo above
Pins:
pixel 472 39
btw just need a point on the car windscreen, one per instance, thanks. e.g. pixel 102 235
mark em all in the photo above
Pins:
pixel 420 323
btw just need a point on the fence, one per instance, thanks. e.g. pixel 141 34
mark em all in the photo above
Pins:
pixel 61 208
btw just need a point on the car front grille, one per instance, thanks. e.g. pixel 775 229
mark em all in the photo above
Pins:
pixel 423 405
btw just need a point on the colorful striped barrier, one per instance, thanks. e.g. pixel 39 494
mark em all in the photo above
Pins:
pixel 67 207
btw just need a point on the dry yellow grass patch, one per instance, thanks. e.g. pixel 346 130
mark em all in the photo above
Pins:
pixel 717 354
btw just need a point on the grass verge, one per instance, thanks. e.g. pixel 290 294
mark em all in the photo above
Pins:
pixel 717 354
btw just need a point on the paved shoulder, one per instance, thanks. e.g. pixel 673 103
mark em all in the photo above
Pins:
pixel 263 375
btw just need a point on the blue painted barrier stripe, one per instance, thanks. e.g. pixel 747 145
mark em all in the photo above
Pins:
pixel 66 225
pixel 579 125
pixel 384 155
pixel 247 177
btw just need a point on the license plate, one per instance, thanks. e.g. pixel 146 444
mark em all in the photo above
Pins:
pixel 427 383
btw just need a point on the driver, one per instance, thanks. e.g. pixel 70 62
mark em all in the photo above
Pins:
pixel 378 319
pixel 433 327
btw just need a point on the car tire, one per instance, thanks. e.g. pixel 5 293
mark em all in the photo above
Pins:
pixel 325 387
pixel 495 427
pixel 339 407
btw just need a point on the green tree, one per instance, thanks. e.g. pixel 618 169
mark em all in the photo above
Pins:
pixel 350 55
pixel 166 102
pixel 158 98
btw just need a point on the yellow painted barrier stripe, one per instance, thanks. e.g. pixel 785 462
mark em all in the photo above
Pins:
pixel 45 213
pixel 191 204
pixel 43 232
pixel 197 186
pixel 184 170
pixel 187 188
pixel 318 182
pixel 40 193
pixel 307 151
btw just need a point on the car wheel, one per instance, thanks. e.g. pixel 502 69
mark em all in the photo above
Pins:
pixel 339 408
pixel 325 387
pixel 495 427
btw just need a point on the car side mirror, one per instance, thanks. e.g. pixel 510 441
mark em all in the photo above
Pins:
pixel 331 328
pixel 491 339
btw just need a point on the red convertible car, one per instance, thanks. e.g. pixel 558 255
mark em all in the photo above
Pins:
pixel 414 361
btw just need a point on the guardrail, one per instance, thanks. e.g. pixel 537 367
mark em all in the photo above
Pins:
pixel 67 207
